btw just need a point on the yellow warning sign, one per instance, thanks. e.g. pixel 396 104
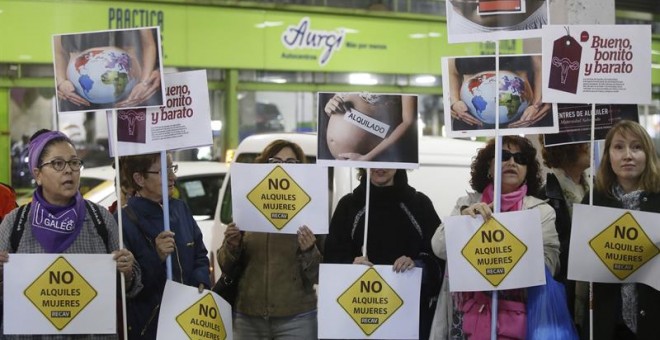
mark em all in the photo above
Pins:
pixel 202 320
pixel 370 301
pixel 278 197
pixel 494 251
pixel 60 293
pixel 623 246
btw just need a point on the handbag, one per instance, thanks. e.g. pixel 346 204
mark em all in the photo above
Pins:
pixel 227 287
pixel 511 318
pixel 548 313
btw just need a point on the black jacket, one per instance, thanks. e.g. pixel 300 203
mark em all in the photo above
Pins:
pixel 607 296
pixel 555 196
pixel 402 221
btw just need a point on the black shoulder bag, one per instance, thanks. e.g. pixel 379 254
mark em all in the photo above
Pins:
pixel 227 284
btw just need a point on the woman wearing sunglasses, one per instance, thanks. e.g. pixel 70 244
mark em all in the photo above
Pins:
pixel 59 220
pixel 144 234
pixel 275 296
pixel 521 180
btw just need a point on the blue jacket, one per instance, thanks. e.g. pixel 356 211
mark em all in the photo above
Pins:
pixel 190 264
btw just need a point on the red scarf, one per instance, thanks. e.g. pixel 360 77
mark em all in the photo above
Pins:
pixel 510 202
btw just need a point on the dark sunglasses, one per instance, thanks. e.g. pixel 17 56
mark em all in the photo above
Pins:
pixel 518 157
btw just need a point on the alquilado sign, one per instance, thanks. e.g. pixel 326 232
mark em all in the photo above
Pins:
pixel 493 251
pixel 60 293
pixel 202 320
pixel 278 197
pixel 370 301
pixel 623 246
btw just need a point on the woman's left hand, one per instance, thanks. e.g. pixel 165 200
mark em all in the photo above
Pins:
pixel 306 238
pixel 125 262
pixel 402 264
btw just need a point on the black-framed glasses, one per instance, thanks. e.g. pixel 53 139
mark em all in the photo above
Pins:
pixel 518 157
pixel 277 160
pixel 59 164
pixel 171 169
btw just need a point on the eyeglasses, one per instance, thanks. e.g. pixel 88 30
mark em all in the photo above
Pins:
pixel 59 164
pixel 172 169
pixel 518 157
pixel 277 160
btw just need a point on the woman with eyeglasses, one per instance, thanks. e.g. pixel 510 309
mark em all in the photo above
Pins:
pixel 57 202
pixel 628 178
pixel 144 234
pixel 521 180
pixel 276 297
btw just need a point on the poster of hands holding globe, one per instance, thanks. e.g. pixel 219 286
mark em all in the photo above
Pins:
pixel 116 69
pixel 476 92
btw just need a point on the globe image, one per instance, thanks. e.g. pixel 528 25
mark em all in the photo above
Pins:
pixel 101 75
pixel 479 92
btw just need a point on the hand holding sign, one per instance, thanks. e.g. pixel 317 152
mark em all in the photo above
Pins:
pixel 306 238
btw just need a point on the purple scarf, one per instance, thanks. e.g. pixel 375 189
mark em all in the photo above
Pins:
pixel 55 227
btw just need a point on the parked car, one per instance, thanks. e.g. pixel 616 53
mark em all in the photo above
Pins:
pixel 198 184
pixel 443 174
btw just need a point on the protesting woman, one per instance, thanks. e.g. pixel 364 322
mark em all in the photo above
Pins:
pixel 56 201
pixel 521 180
pixel 628 178
pixel 275 297
pixel 145 235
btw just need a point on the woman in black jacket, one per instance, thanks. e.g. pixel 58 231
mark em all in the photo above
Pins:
pixel 401 224
pixel 628 178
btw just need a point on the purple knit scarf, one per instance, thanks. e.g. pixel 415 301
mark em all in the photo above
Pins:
pixel 55 227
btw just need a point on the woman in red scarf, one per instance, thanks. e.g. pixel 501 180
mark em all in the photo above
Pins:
pixel 521 180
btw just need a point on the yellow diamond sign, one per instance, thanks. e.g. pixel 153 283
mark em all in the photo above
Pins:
pixel 60 293
pixel 202 320
pixel 493 251
pixel 370 301
pixel 278 197
pixel 623 246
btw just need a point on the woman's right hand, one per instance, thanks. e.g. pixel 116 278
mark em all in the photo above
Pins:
pixel 66 91
pixel 233 236
pixel 165 244
pixel 335 104
pixel 483 209
pixel 459 111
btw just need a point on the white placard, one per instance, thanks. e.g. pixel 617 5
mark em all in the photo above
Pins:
pixel 279 198
pixel 597 64
pixel 335 322
pixel 584 262
pixel 184 122
pixel 187 314
pixel 525 225
pixel 83 282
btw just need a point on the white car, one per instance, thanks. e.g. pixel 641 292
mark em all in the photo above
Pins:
pixel 198 184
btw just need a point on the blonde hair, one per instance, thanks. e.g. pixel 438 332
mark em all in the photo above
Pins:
pixel 650 178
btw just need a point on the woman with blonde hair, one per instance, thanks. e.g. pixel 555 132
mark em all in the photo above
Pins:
pixel 628 178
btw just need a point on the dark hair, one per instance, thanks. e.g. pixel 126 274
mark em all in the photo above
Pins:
pixel 650 178
pixel 561 156
pixel 276 146
pixel 128 165
pixel 50 143
pixel 479 178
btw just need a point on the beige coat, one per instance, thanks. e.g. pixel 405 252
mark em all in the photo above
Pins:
pixel 444 310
